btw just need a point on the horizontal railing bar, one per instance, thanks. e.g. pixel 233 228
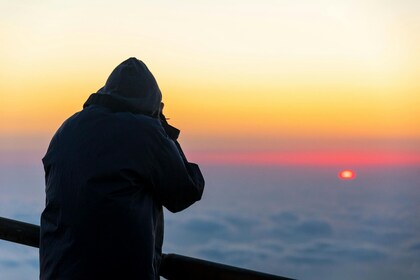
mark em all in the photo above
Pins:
pixel 177 267
pixel 19 232
pixel 173 266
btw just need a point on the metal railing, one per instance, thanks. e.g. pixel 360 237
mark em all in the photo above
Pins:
pixel 173 266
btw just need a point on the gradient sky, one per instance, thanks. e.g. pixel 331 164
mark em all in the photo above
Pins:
pixel 244 80
pixel 284 84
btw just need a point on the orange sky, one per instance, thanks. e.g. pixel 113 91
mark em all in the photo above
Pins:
pixel 256 77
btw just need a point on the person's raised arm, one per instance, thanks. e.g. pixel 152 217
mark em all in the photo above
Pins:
pixel 177 183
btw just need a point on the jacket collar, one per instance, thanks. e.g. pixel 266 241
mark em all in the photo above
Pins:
pixel 113 103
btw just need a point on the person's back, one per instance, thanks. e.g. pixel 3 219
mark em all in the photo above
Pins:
pixel 109 169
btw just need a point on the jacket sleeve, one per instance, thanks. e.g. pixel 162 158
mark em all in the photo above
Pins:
pixel 177 183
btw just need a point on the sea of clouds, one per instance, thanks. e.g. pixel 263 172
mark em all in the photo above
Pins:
pixel 300 222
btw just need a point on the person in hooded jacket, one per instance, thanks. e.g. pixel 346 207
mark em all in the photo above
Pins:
pixel 109 169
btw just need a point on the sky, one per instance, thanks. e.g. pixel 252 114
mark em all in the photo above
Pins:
pixel 316 86
pixel 243 77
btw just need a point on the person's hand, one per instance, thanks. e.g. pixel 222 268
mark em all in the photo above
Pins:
pixel 162 105
pixel 171 131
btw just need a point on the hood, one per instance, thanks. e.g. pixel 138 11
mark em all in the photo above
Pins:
pixel 133 84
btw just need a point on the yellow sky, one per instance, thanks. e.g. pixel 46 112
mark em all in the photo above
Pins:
pixel 233 73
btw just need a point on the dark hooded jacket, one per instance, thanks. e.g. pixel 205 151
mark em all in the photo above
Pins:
pixel 109 169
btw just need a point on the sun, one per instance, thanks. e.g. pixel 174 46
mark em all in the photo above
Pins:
pixel 347 175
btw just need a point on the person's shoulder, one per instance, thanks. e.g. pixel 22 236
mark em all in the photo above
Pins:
pixel 69 121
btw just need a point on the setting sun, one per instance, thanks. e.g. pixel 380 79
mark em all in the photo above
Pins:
pixel 347 175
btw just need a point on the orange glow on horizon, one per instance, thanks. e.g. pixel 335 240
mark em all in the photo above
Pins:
pixel 308 158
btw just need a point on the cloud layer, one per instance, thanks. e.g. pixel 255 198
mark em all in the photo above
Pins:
pixel 301 223
pixel 311 227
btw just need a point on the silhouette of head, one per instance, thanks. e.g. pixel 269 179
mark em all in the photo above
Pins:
pixel 132 82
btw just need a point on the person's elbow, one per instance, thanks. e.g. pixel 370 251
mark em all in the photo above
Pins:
pixel 185 199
